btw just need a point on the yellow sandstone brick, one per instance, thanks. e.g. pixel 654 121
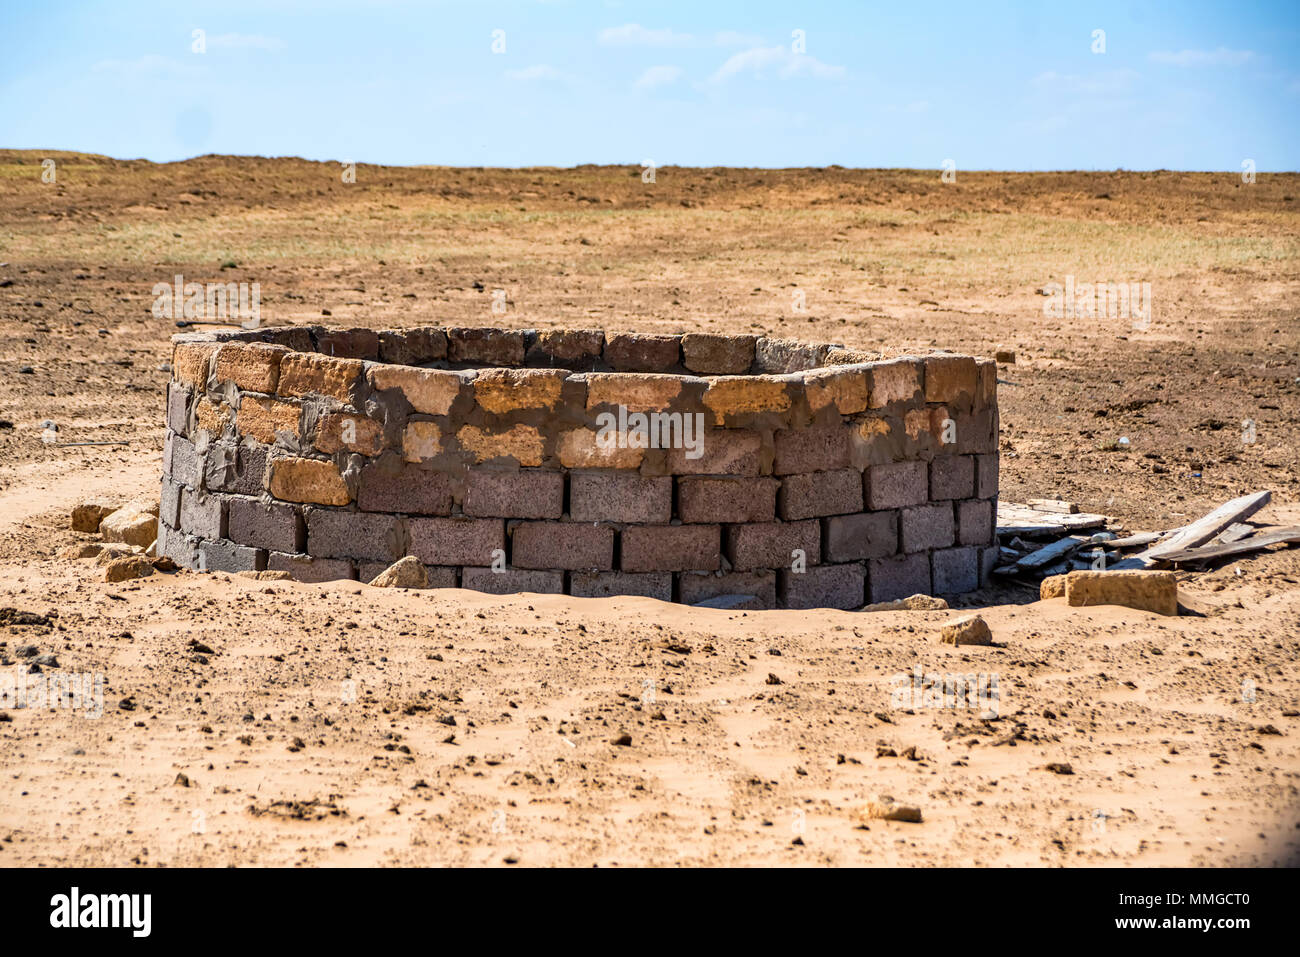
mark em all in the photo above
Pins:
pixel 190 362
pixel 639 392
pixel 337 431
pixel 508 390
pixel 212 416
pixel 251 366
pixel 738 395
pixel 303 373
pixel 308 480
pixel 578 449
pixel 522 442
pixel 263 418
pixel 421 440
pixel 846 390
pixel 895 381
pixel 430 391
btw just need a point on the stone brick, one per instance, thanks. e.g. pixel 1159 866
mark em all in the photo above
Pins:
pixel 501 391
pixel 695 587
pixel 619 497
pixel 229 557
pixel 987 383
pixel 486 347
pixel 236 467
pixel 670 548
pixel 510 493
pixel 975 524
pixel 333 534
pixel 955 570
pixel 308 480
pixel 577 349
pixel 872 441
pixel 190 363
pixel 179 547
pixel 845 390
pixel 723 452
pixel 952 476
pixel 926 526
pixel 169 508
pixel 264 419
pixel 897 484
pixel 511 581
pixel 202 515
pixel 421 440
pixel 522 443
pixel 896 381
pixel 770 545
pixel 951 379
pixel 638 353
pixel 178 405
pixel 304 568
pixel 703 500
pixel 745 395
pixel 186 465
pixel 456 541
pixel 212 417
pixel 709 354
pixel 822 586
pixel 386 487
pixel 304 374
pixel 348 343
pixel 851 538
pixel 254 367
pixel 986 476
pixel 637 392
pixel 903 576
pixel 821 493
pixel 346 431
pixel 271 525
pixel 608 584
pixel 990 558
pixel 429 391
pixel 811 450
pixel 780 356
pixel 412 347
pixel 1145 590
pixel 578 449
pixel 575 546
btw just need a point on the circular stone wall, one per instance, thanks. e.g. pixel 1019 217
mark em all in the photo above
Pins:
pixel 683 468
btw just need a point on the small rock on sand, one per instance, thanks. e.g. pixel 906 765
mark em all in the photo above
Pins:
pixel 408 572
pixel 969 630
pixel 1053 586
pixel 134 524
pixel 1144 590
pixel 124 569
pixel 87 516
pixel 914 603
pixel 267 576
pixel 111 553
pixel 82 550
pixel 887 809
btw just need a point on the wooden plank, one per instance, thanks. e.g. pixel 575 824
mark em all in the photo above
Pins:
pixel 1204 529
pixel 1051 553
pixel 1269 536
pixel 1053 505
pixel 1234 532
pixel 1141 538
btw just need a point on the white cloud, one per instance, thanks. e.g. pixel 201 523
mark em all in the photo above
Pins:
pixel 1220 57
pixel 1103 82
pixel 541 71
pixel 245 41
pixel 731 38
pixel 786 63
pixel 633 34
pixel 658 76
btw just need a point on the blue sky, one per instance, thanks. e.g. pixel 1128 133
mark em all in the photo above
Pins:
pixel 990 85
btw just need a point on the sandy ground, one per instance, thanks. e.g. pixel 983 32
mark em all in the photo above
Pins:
pixel 317 729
